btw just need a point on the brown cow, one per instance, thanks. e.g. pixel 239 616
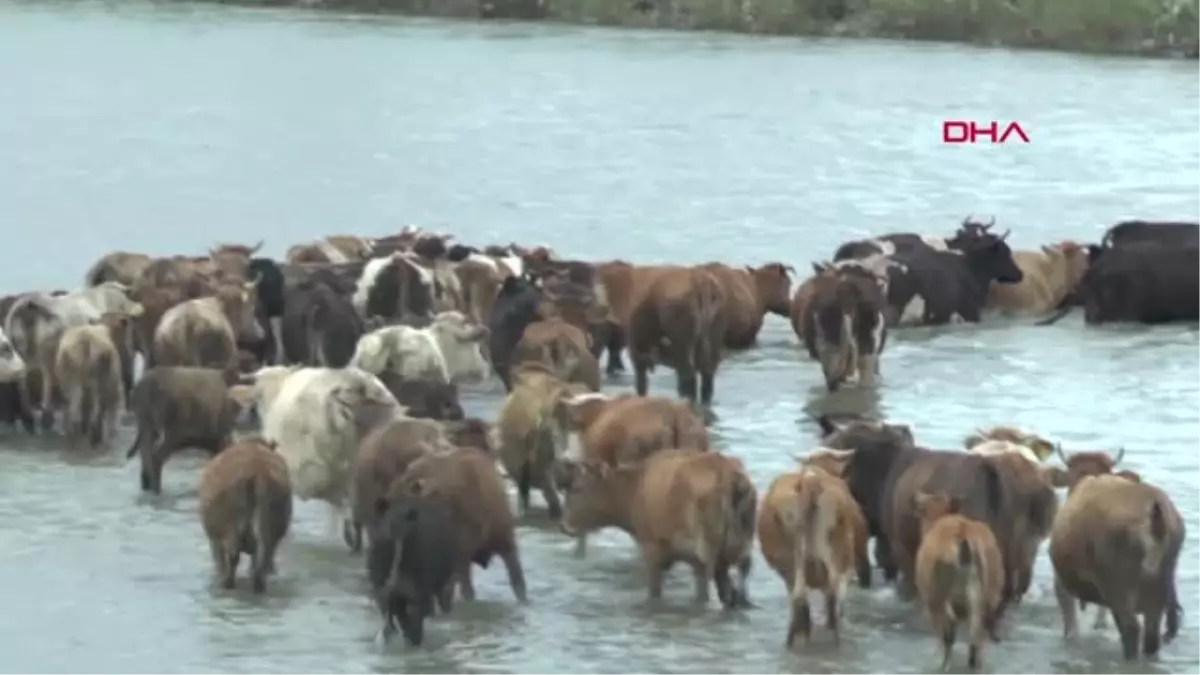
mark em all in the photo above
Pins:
pixel 180 407
pixel 959 575
pixel 563 348
pixel 621 282
pixel 245 507
pixel 480 282
pixel 839 316
pixel 532 431
pixel 1049 277
pixel 384 455
pixel 679 505
pixel 679 319
pixel 813 534
pixel 205 331
pixel 87 370
pixel 627 429
pixel 1116 544
pixel 750 293
pixel 470 483
pixel 117 266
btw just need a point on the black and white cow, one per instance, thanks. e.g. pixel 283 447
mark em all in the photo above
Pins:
pixel 905 242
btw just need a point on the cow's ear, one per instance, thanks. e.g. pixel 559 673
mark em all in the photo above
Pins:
pixel 972 441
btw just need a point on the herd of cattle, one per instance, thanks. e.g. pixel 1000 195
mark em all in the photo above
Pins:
pixel 349 354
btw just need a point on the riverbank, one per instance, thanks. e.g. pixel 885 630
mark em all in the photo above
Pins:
pixel 1166 28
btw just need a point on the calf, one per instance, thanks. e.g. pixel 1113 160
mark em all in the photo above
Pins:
pixel 561 347
pixel 959 575
pixel 680 505
pixel 1048 278
pixel 448 350
pixel 422 398
pixel 179 407
pixel 813 534
pixel 383 456
pixel 205 331
pixel 245 507
pixel 532 430
pixel 1116 543
pixel 843 326
pixel 750 293
pixel 88 371
pixel 412 556
pixel 482 521
pixel 939 287
pixel 679 319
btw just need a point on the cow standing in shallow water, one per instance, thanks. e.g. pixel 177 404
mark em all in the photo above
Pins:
pixel 840 319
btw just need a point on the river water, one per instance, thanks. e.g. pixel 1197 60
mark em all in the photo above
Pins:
pixel 166 129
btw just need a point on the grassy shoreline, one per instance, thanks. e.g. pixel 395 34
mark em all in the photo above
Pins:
pixel 1155 28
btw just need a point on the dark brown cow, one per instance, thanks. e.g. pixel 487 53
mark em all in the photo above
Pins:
pixel 750 293
pixel 245 507
pixel 621 282
pixel 679 319
pixel 839 315
pixel 1116 544
pixel 424 398
pixel 562 348
pixel 470 483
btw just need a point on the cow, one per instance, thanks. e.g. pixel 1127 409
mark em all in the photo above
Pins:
pixel 245 507
pixel 623 284
pixel 332 249
pixel 939 287
pixel 1116 544
pixel 231 262
pixel 678 318
pixel 482 522
pixel 842 323
pixel 319 326
pixel 12 366
pixel 480 282
pixel 1170 233
pixel 318 418
pixel 205 331
pixel 887 245
pixel 394 287
pixel 422 398
pixel 87 369
pixel 960 576
pixel 532 430
pixel 384 455
pixel 179 407
pixel 627 429
pixel 471 432
pixel 411 558
pixel 272 295
pixel 1032 447
pixel 517 305
pixel 1004 492
pixel 120 266
pixel 813 534
pixel 561 347
pixel 1146 282
pixel 448 350
pixel 750 293
pixel 1048 278
pixel 855 430
pixel 679 505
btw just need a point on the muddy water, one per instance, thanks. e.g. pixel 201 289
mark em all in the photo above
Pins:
pixel 166 129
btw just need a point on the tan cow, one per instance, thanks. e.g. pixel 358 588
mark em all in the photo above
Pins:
pixel 88 372
pixel 469 481
pixel 1116 544
pixel 960 575
pixel 1048 277
pixel 1038 448
pixel 561 347
pixel 205 331
pixel 245 507
pixel 679 505
pixel 384 455
pixel 532 431
pixel 750 293
pixel 814 535
pixel 119 266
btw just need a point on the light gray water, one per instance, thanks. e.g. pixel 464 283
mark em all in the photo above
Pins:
pixel 166 129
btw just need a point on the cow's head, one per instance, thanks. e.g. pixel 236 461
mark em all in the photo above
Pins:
pixel 773 285
pixel 1039 446
pixel 990 257
pixel 598 495
pixel 852 433
pixel 930 508
pixel 240 304
pixel 461 341
pixel 1080 465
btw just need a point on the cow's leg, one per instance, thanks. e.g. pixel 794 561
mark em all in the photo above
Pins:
pixel 615 343
pixel 232 557
pixel 833 606
pixel 725 590
pixel 641 368
pixel 553 503
pixel 685 381
pixel 1130 629
pixel 516 574
pixel 978 633
pixel 947 629
pixel 466 586
pixel 1066 607
pixel 656 561
pixel 800 624
pixel 1152 630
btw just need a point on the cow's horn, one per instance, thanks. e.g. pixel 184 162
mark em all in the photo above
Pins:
pixel 1059 451
pixel 967 221
pixel 257 247
pixel 1120 454
pixel 991 221
pixel 1005 235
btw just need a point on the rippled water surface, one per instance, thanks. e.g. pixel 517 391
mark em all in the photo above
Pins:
pixel 166 129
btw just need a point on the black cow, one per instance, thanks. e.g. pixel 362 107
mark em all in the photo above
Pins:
pixel 271 292
pixel 400 288
pixel 1148 282
pixel 319 326
pixel 936 287
pixel 1132 231
pixel 517 305
pixel 422 398
pixel 907 242
pixel 410 561
pixel 885 474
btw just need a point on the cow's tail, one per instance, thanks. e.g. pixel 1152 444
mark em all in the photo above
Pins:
pixel 710 321
pixel 258 510
pixel 1155 542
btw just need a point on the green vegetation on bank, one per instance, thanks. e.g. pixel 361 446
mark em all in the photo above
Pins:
pixel 1145 27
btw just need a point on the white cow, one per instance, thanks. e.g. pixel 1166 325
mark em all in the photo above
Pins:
pixel 317 418
pixel 448 350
